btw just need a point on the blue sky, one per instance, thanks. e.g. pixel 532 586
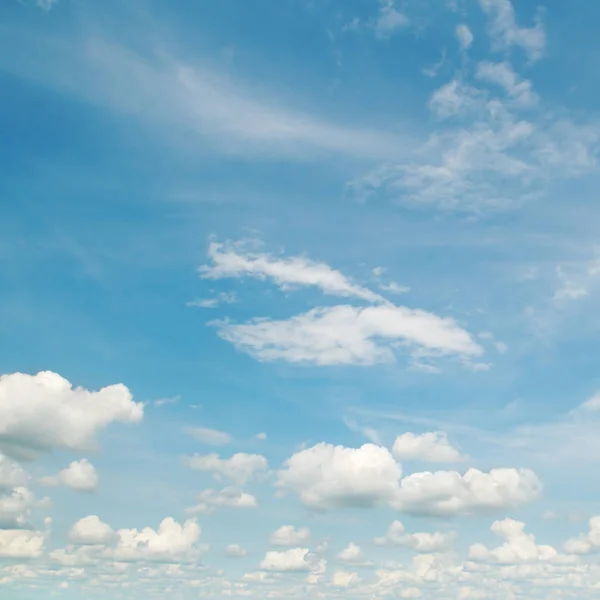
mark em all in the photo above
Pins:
pixel 281 277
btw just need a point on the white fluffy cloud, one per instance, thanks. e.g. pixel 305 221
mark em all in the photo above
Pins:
pixel 41 412
pixel 15 543
pixel 235 551
pixel 588 542
pixel 171 542
pixel 295 559
pixel 351 335
pixel 396 535
pixel 344 579
pixel 429 447
pixel 240 468
pixel 210 500
pixel 519 546
pixel 446 493
pixel 231 260
pixel 505 32
pixel 288 535
pixel 351 554
pixel 91 531
pixel 80 475
pixel 211 437
pixel 327 476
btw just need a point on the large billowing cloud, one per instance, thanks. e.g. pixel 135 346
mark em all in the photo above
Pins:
pixel 44 411
pixel 327 476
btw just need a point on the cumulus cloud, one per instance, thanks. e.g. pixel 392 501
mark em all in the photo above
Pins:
pixel 41 412
pixel 231 260
pixel 389 20
pixel 428 447
pixel 229 497
pixel 344 579
pixel 447 493
pixel 396 535
pixel 295 559
pixel 351 554
pixel 505 32
pixel 235 551
pixel 91 531
pixel 171 542
pixel 519 546
pixel 210 437
pixel 80 475
pixel 21 544
pixel 351 335
pixel 588 542
pixel 288 535
pixel 240 468
pixel 326 477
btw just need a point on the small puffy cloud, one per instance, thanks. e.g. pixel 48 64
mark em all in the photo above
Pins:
pixel 351 335
pixel 288 535
pixel 295 559
pixel 235 551
pixel 261 436
pixel 210 437
pixel 505 32
pixel 396 535
pixel 210 500
pixel 16 543
pixel 80 475
pixel 171 542
pixel 588 542
pixel 240 468
pixel 351 554
pixel 519 546
pixel 344 579
pixel 42 412
pixel 464 35
pixel 232 260
pixel 91 531
pixel 327 476
pixel 428 447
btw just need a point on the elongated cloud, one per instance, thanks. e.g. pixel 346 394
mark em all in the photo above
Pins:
pixel 229 261
pixel 350 335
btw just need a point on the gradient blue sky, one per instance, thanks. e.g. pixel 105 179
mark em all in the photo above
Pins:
pixel 365 230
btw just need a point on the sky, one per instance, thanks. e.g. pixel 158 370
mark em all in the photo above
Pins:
pixel 299 299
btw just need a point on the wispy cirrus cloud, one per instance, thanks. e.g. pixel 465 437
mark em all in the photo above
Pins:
pixel 234 261
pixel 197 99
